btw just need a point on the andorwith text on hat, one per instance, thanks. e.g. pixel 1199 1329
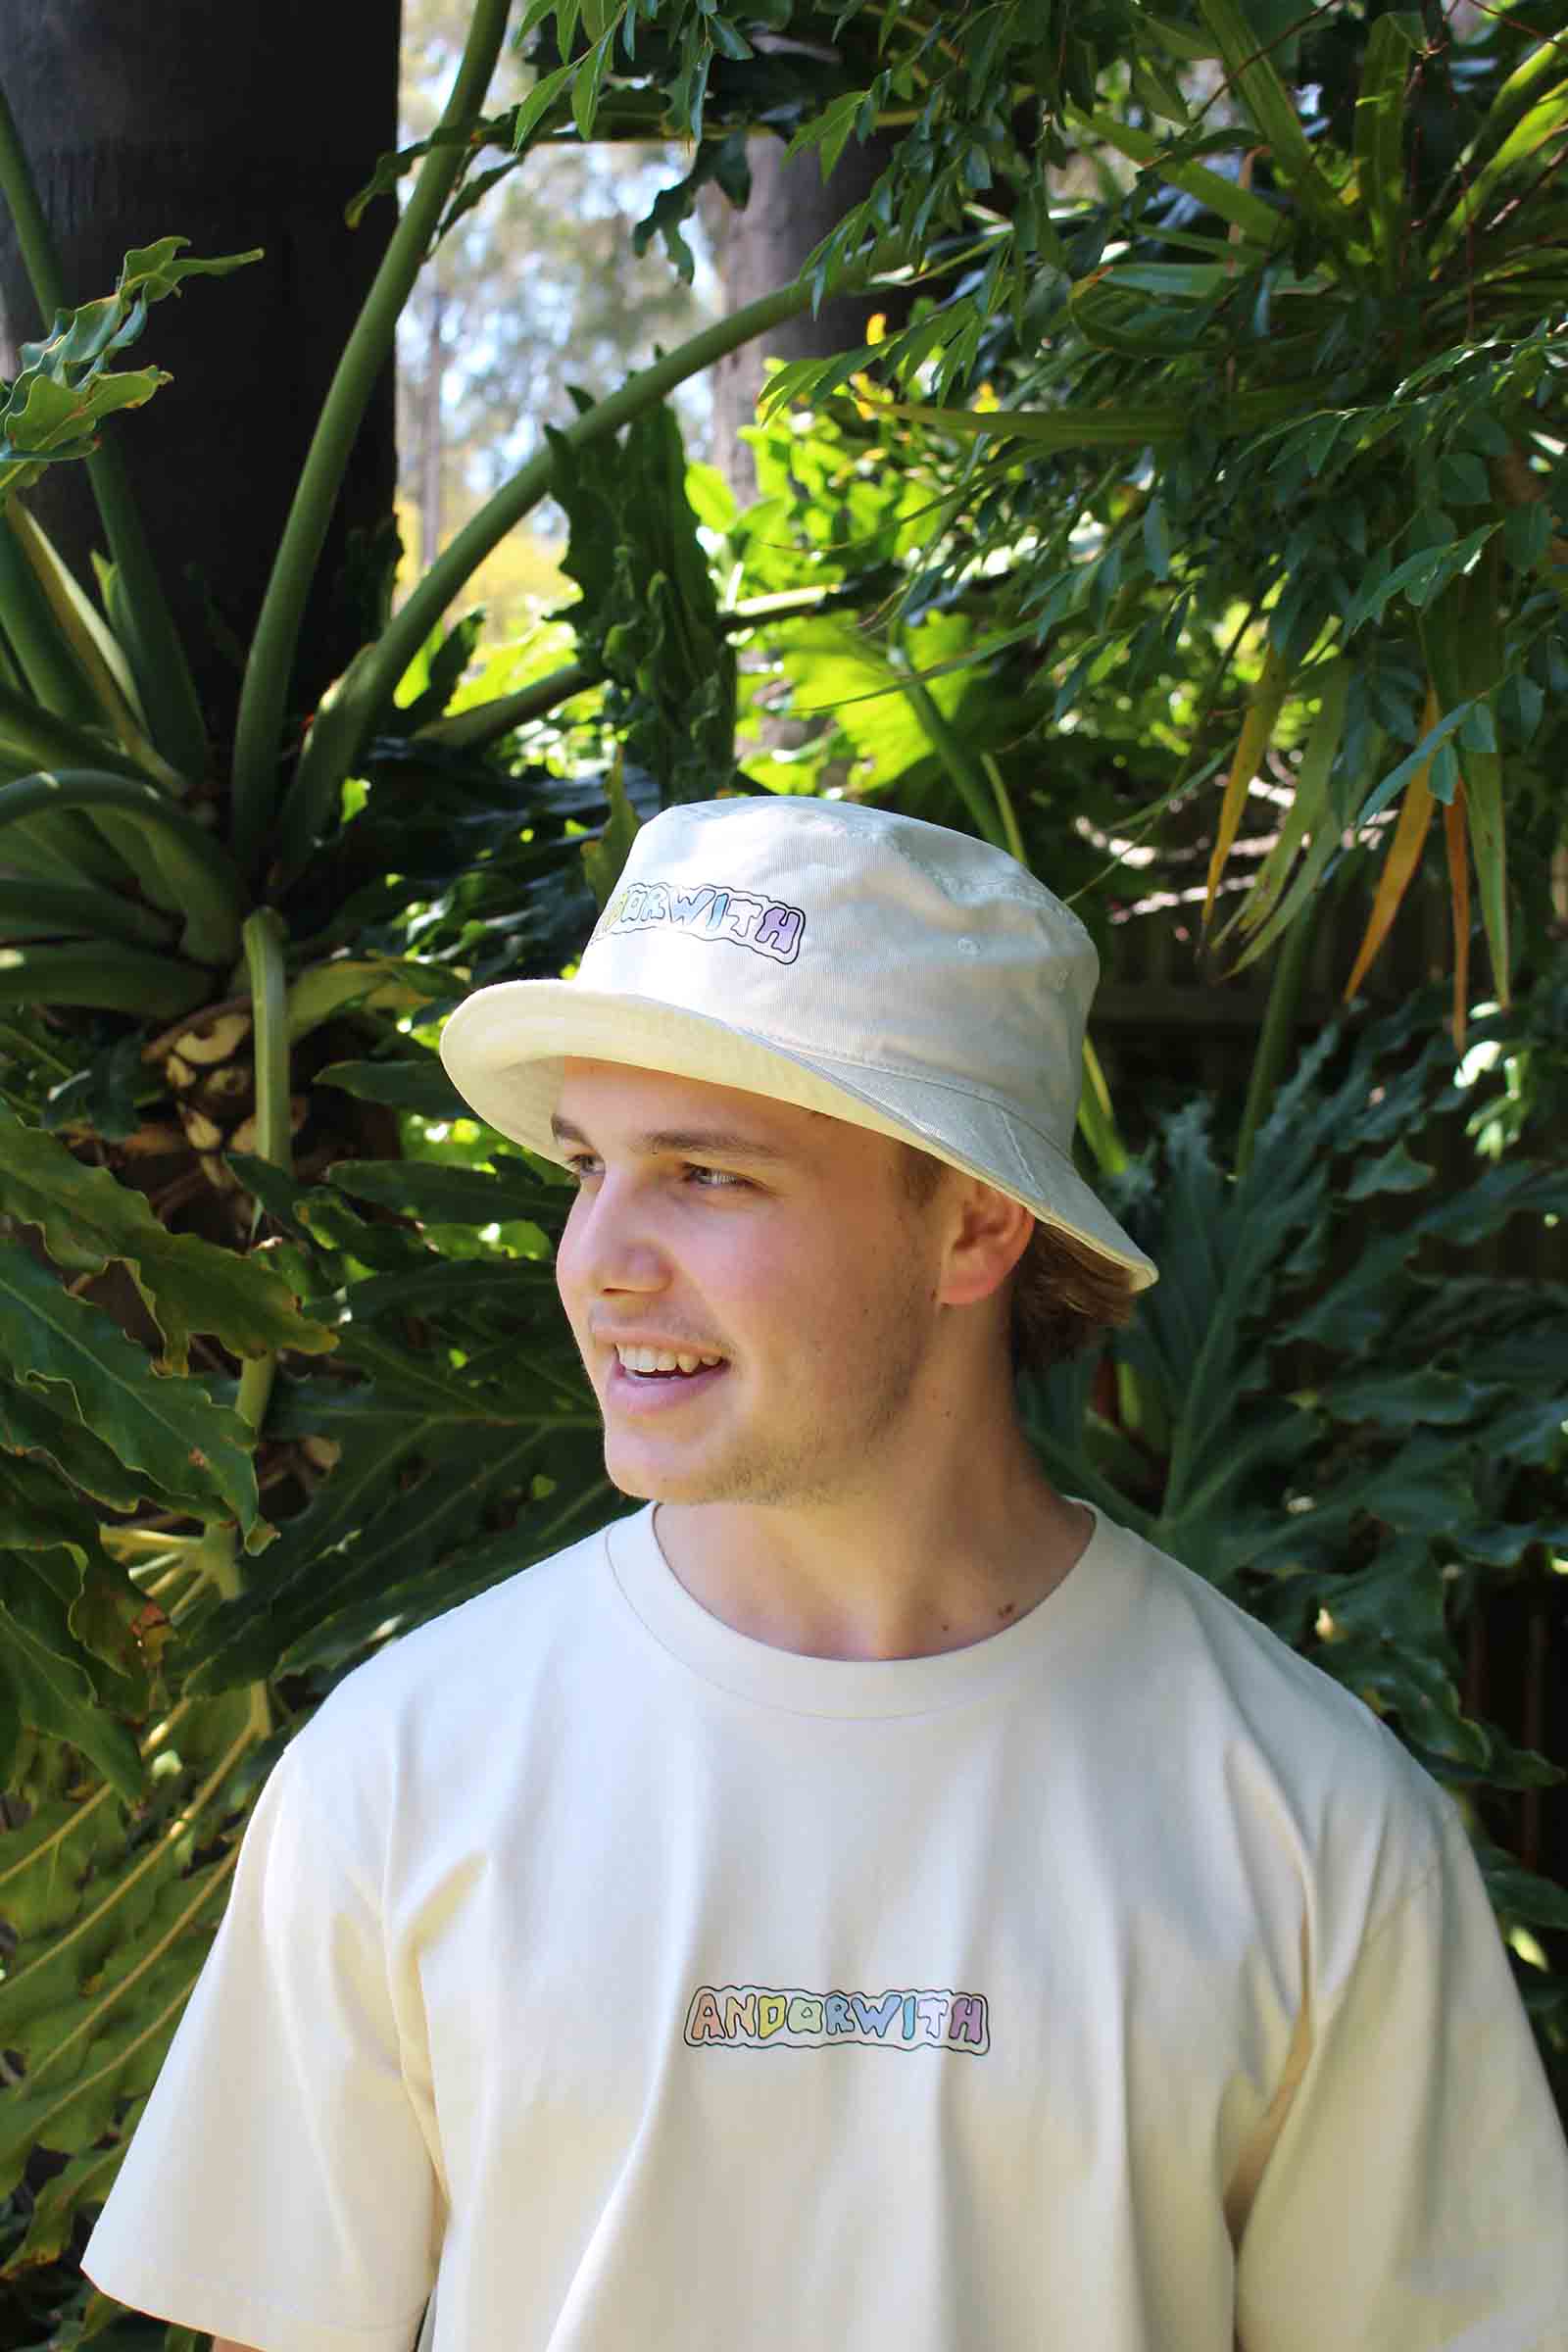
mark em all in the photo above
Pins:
pixel 865 1898
pixel 844 959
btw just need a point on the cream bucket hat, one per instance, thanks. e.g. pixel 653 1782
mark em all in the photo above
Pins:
pixel 854 962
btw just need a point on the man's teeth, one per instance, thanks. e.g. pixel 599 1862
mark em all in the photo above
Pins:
pixel 657 1359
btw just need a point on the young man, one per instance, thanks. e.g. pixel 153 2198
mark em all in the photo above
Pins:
pixel 866 1901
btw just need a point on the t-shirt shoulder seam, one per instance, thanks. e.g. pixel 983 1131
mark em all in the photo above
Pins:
pixel 1398 1902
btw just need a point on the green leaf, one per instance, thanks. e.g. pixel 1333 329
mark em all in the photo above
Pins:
pixel 1397 1171
pixel 421 1086
pixel 829 131
pixel 604 858
pixel 88 1217
pixel 65 388
pixel 32 1425
pixel 49 1688
pixel 166 1428
pixel 1269 103
pixel 585 90
pixel 1380 109
pixel 442 1196
pixel 192 861
pixel 1224 197
pixel 1156 539
pixel 1524 146
pixel 538 103
pixel 1404 1399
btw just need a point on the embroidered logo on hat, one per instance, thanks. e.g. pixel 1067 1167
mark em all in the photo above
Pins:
pixel 710 910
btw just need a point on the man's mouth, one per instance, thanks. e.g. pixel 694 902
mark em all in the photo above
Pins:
pixel 659 1363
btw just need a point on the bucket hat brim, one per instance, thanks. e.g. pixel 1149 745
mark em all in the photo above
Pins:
pixel 504 1050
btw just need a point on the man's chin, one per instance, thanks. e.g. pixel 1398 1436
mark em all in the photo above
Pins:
pixel 655 1481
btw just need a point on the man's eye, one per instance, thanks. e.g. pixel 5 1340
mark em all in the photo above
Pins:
pixel 719 1180
pixel 582 1164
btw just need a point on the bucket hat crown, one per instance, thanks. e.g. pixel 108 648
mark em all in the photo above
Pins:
pixel 846 959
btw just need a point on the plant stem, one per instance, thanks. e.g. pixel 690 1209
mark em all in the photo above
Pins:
pixel 483 723
pixel 1278 1033
pixel 264 938
pixel 349 712
pixel 262 697
pixel 34 239
pixel 164 674
pixel 956 756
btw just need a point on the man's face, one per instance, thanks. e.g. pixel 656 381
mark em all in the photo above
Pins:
pixel 714 1223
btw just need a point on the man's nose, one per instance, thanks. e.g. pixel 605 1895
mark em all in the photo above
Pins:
pixel 614 1241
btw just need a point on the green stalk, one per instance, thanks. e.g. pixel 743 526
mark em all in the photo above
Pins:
pixel 1277 1035
pixel 80 907
pixel 956 758
pixel 1005 808
pixel 163 675
pixel 350 708
pixel 264 938
pixel 262 697
pixel 191 860
pixel 485 722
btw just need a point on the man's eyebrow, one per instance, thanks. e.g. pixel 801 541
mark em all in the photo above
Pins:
pixel 687 1142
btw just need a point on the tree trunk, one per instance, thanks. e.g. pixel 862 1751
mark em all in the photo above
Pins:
pixel 791 209
pixel 253 123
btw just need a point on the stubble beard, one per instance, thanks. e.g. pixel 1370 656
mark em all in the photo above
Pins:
pixel 832 1459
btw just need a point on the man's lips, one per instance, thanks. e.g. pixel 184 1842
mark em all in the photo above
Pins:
pixel 654 1391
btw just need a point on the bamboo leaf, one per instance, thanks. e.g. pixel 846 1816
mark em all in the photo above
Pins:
pixel 1462 634
pixel 1380 142
pixel 1311 814
pixel 164 1427
pixel 540 98
pixel 1257 733
pixel 1269 103
pixel 1522 146
pixel 1403 861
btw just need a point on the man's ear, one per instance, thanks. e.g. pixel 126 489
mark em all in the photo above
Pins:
pixel 988 1234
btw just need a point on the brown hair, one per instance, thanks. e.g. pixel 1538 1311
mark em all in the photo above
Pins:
pixel 1063 1293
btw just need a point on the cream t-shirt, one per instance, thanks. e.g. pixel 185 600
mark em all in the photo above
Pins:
pixel 1115 1984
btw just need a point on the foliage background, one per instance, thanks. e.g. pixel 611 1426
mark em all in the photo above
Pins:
pixel 1189 523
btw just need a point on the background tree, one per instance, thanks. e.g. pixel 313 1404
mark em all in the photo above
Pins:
pixel 535 291
pixel 185 115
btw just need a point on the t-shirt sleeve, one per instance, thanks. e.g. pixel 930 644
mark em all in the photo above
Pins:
pixel 279 2188
pixel 1416 2198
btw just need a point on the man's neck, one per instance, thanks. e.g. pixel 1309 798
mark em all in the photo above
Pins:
pixel 928 1567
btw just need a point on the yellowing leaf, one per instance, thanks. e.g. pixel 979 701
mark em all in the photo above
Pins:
pixel 1402 860
pixel 1257 732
